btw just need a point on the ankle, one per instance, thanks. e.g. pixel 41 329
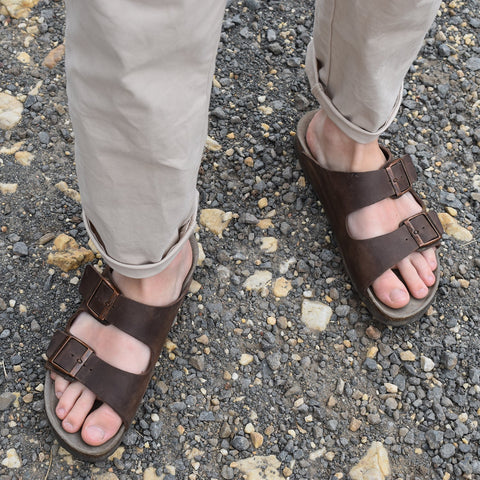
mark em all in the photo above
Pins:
pixel 335 150
pixel 160 289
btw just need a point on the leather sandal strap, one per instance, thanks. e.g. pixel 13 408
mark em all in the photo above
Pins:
pixel 104 301
pixel 379 254
pixel 75 360
pixel 361 189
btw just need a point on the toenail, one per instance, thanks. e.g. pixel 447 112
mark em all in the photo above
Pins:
pixel 58 394
pixel 96 434
pixel 67 426
pixel 60 412
pixel 398 295
pixel 421 292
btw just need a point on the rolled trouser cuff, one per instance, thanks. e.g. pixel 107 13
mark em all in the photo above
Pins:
pixel 355 132
pixel 148 269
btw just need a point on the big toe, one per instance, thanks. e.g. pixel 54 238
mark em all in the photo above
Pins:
pixel 101 425
pixel 390 290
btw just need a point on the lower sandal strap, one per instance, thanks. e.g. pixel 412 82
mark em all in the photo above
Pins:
pixel 75 360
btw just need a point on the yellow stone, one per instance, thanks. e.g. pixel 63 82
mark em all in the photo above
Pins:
pixel 264 224
pixel 23 57
pixel 24 158
pixel 408 356
pixel 10 111
pixel 69 192
pixel 215 220
pixel 6 188
pixel 454 229
pixel 19 8
pixel 212 145
pixel 282 287
pixel 13 149
pixel 269 244
pixel 372 352
pixel 195 287
pixel 64 242
pixel 118 453
pixel 246 359
pixel 257 439
pixel 256 467
pixel 150 474
pixel 451 211
pixel 249 162
pixel 375 464
pixel 262 203
pixel 355 424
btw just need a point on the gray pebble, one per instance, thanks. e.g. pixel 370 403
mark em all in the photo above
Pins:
pixel 447 451
pixel 240 443
pixel 21 249
pixel 434 439
pixel 6 399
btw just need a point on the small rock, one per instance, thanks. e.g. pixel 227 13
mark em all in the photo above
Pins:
pixel 19 8
pixel 453 228
pixel 6 399
pixel 225 430
pixel 198 362
pixel 260 279
pixel 21 249
pixel 281 287
pixel 447 451
pixel 373 332
pixel 473 63
pixel 54 56
pixel 215 220
pixel 254 468
pixel 355 424
pixel 212 145
pixel 434 439
pixel 257 439
pixel 374 466
pixel 10 111
pixel 246 359
pixel 408 356
pixel 24 158
pixel 426 363
pixel 269 244
pixel 12 460
pixel 24 57
pixel 69 255
pixel 240 443
pixel 316 315
pixel 6 188
pixel 274 361
pixel 69 192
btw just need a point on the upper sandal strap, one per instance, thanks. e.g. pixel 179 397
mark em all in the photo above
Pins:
pixel 75 360
pixel 361 189
pixel 104 301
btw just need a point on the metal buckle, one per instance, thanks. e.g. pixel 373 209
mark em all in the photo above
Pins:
pixel 80 361
pixel 394 179
pixel 107 306
pixel 417 231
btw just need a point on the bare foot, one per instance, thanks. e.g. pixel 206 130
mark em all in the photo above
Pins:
pixel 336 151
pixel 116 348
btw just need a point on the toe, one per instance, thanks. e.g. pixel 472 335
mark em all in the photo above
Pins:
pixel 416 286
pixel 431 257
pixel 61 384
pixel 68 399
pixel 390 290
pixel 423 268
pixel 75 418
pixel 101 425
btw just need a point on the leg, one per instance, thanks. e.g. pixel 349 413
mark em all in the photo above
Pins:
pixel 139 78
pixel 356 64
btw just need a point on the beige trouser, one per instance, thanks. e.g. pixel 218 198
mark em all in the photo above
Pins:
pixel 139 75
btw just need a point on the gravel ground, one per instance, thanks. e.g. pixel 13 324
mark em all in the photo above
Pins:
pixel 243 376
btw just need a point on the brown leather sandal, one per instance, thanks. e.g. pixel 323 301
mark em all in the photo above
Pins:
pixel 73 359
pixel 342 193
